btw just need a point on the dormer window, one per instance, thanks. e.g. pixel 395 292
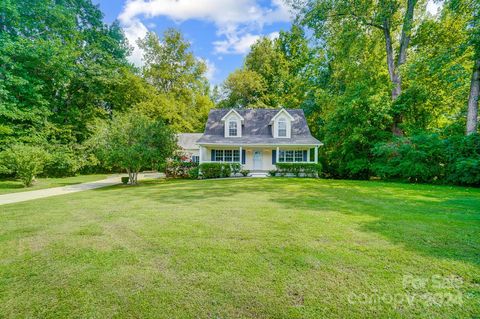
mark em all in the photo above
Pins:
pixel 282 124
pixel 232 128
pixel 232 124
pixel 282 127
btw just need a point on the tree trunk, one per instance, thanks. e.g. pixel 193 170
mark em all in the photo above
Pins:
pixel 472 113
pixel 393 69
pixel 394 77
pixel 130 176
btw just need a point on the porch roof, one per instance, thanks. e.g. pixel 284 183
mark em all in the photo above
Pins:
pixel 259 141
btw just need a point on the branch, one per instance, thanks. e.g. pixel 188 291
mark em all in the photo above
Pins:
pixel 406 32
pixel 361 19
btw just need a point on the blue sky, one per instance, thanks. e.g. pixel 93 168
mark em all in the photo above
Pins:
pixel 220 31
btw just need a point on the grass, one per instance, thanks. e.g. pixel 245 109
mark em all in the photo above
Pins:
pixel 14 186
pixel 244 248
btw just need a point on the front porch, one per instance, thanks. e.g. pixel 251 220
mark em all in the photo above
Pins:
pixel 258 158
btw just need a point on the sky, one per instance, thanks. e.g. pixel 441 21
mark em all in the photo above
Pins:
pixel 220 31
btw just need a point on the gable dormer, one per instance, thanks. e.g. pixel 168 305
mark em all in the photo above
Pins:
pixel 232 122
pixel 282 124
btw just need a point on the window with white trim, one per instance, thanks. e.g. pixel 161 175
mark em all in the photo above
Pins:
pixel 195 158
pixel 282 127
pixel 232 128
pixel 290 156
pixel 226 156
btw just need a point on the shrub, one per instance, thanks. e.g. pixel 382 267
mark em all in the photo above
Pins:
pixel 299 169
pixel 63 162
pixel 215 170
pixel 417 158
pixel 226 170
pixel 463 160
pixel 193 173
pixel 25 161
pixel 236 167
pixel 429 158
pixel 244 172
pixel 465 171
pixel 272 172
pixel 178 169
pixel 125 180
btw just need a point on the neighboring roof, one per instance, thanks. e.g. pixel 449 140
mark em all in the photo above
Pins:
pixel 257 129
pixel 188 141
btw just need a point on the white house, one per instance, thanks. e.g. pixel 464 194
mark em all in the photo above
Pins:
pixel 189 146
pixel 256 138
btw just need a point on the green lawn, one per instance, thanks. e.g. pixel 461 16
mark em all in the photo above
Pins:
pixel 14 186
pixel 244 248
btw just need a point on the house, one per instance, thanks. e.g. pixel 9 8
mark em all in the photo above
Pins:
pixel 257 138
pixel 189 146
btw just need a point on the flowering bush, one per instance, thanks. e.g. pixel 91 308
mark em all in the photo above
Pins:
pixel 175 168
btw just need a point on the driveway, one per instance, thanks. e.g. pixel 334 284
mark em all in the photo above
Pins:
pixel 47 192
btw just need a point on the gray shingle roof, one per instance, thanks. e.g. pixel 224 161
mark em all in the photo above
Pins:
pixel 256 128
pixel 188 141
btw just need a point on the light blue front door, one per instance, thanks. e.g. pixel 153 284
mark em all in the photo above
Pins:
pixel 257 160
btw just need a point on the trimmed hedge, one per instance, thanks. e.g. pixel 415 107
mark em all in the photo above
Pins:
pixel 298 169
pixel 216 170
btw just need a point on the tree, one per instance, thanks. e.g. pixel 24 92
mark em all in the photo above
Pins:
pixel 179 79
pixel 133 141
pixel 385 16
pixel 276 73
pixel 25 161
pixel 474 41
pixel 472 113
pixel 58 65
pixel 244 88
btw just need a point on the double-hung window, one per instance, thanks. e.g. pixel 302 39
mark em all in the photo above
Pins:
pixel 226 156
pixel 290 156
pixel 232 128
pixel 282 128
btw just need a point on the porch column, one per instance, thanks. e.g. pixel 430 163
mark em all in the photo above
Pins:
pixel 241 159
pixel 200 155
pixel 277 155
pixel 316 154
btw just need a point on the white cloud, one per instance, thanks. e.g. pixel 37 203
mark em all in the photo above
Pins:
pixel 135 30
pixel 239 44
pixel 221 12
pixel 235 43
pixel 238 22
pixel 211 70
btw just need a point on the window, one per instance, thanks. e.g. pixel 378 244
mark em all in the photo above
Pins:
pixel 282 128
pixel 226 156
pixel 232 128
pixel 290 156
pixel 195 158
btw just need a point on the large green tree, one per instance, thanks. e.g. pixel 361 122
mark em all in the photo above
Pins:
pixel 394 19
pixel 179 79
pixel 133 141
pixel 59 65
pixel 276 73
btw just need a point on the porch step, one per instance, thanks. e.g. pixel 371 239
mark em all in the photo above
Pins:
pixel 258 174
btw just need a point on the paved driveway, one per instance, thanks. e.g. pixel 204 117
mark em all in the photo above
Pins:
pixel 47 192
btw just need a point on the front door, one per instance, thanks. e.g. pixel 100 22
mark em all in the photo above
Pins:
pixel 257 160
